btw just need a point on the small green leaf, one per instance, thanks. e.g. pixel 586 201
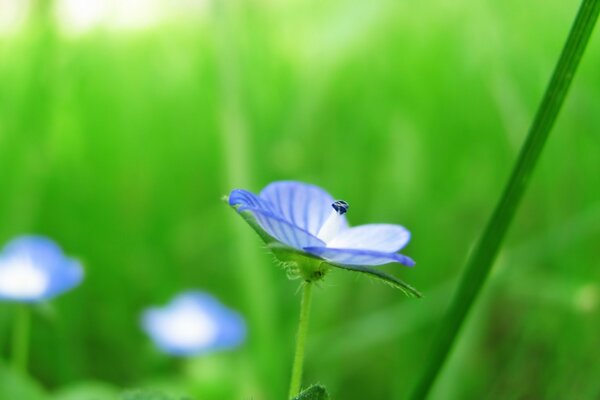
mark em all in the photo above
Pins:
pixel 314 392
pixel 382 276
pixel 142 394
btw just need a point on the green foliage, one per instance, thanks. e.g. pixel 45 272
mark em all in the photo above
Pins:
pixel 87 391
pixel 14 385
pixel 314 392
pixel 141 394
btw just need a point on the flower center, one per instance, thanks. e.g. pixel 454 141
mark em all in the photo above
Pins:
pixel 188 328
pixel 334 222
pixel 21 279
pixel 340 206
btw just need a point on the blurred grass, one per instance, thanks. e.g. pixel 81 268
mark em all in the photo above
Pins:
pixel 113 144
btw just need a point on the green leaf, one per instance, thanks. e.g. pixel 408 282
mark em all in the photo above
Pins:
pixel 143 394
pixel 87 391
pixel 14 385
pixel 382 276
pixel 314 392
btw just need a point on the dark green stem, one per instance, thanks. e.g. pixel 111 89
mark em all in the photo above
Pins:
pixel 482 258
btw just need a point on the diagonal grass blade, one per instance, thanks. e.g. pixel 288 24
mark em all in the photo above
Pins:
pixel 481 259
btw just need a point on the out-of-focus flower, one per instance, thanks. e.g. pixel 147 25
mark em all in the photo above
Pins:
pixel 192 323
pixel 34 268
pixel 302 223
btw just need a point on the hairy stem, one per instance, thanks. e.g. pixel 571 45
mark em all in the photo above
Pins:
pixel 301 339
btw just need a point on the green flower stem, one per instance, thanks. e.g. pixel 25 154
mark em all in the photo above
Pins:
pixel 20 340
pixel 482 258
pixel 301 339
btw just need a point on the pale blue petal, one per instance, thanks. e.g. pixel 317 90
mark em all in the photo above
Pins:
pixel 387 238
pixel 69 275
pixel 40 250
pixel 207 325
pixel 283 230
pixel 304 205
pixel 45 260
pixel 232 327
pixel 243 199
pixel 271 220
pixel 359 257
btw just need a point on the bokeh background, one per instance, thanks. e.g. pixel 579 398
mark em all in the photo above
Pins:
pixel 123 123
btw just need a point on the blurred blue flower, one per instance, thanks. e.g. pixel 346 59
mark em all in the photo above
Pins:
pixel 34 268
pixel 306 218
pixel 192 323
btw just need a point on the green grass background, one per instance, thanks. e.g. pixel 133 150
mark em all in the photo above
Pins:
pixel 120 145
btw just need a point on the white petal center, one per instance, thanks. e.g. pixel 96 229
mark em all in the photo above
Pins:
pixel 187 326
pixel 331 227
pixel 20 279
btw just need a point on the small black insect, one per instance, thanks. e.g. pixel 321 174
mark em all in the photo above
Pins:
pixel 340 206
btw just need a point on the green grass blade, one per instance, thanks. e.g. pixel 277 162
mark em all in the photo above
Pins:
pixel 481 259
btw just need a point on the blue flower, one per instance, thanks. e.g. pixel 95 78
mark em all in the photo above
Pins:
pixel 304 220
pixel 192 323
pixel 34 268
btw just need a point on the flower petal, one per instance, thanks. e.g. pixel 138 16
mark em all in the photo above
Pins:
pixel 193 323
pixel 380 237
pixel 358 256
pixel 243 199
pixel 33 268
pixel 70 275
pixel 38 249
pixel 304 205
pixel 283 230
